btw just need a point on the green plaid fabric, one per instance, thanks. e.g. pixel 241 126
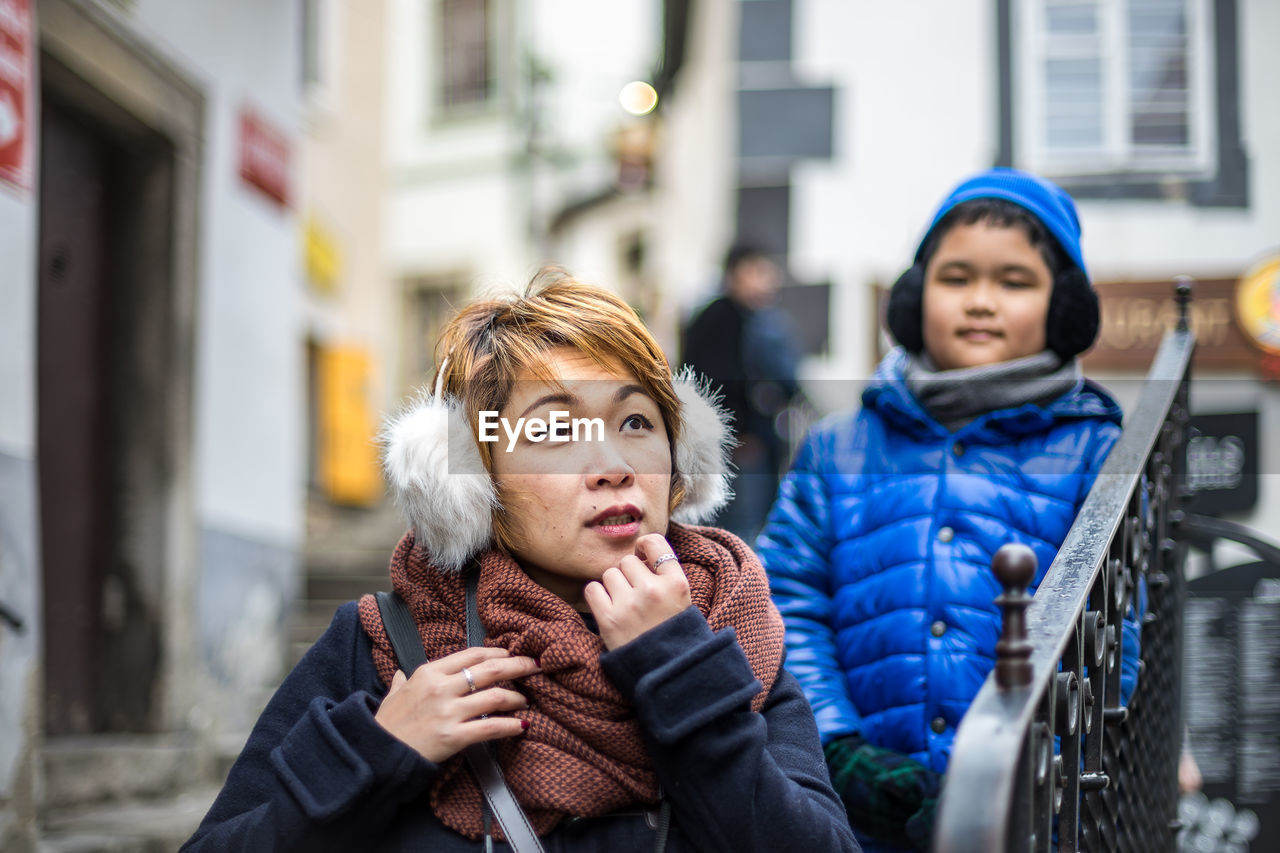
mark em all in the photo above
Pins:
pixel 920 824
pixel 889 796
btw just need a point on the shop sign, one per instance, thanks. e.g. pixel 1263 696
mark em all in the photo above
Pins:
pixel 17 86
pixel 264 157
pixel 1231 696
pixel 1222 462
pixel 1258 310
pixel 322 258
pixel 1136 314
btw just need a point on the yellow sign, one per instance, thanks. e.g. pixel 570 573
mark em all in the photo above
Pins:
pixel 322 255
pixel 1258 305
pixel 349 470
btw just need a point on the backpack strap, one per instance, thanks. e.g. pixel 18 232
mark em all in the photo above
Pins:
pixel 407 644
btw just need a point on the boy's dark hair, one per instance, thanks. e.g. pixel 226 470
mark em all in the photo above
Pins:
pixel 1000 213
pixel 1071 324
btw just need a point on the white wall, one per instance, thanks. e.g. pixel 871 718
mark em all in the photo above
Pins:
pixel 19 550
pixel 17 321
pixel 696 168
pixel 914 110
pixel 249 381
pixel 473 224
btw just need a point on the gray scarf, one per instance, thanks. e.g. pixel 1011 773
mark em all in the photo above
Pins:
pixel 955 397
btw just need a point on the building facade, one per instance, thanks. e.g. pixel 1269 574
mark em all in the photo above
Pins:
pixel 509 147
pixel 151 373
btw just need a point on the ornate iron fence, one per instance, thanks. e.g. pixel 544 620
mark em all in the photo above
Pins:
pixel 1047 757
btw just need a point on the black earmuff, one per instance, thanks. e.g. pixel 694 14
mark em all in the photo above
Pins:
pixel 1074 315
pixel 1071 325
pixel 905 313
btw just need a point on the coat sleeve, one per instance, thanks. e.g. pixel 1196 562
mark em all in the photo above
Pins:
pixel 318 771
pixel 738 781
pixel 795 547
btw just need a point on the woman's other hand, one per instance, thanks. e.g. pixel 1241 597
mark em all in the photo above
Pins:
pixel 631 598
pixel 439 711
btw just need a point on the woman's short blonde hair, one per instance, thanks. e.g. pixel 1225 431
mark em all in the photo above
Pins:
pixel 490 342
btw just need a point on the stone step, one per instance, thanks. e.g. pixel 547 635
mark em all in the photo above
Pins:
pixel 157 825
pixel 309 621
pixel 349 561
pixel 226 749
pixel 332 527
pixel 97 842
pixel 93 768
pixel 295 652
pixel 344 587
pixel 312 618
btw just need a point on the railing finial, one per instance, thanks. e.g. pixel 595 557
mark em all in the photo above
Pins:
pixel 1015 568
pixel 1183 285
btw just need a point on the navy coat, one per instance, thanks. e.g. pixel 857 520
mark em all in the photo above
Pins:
pixel 319 773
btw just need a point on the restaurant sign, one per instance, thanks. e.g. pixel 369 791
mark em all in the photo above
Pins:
pixel 1236 321
pixel 1136 314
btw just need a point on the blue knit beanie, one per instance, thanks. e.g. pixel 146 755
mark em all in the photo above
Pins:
pixel 1074 315
pixel 1045 199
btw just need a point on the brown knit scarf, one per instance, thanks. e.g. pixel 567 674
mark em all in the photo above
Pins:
pixel 583 753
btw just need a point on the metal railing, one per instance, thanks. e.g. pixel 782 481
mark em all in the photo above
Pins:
pixel 1046 756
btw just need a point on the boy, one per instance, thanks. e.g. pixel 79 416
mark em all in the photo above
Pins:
pixel 977 431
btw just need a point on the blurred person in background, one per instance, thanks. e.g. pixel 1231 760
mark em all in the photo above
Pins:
pixel 630 681
pixel 741 343
pixel 978 430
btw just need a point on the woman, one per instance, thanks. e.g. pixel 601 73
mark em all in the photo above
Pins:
pixel 631 666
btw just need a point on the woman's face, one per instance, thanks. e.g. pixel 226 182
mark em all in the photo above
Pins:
pixel 577 505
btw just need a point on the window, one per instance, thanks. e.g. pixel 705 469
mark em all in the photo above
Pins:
pixel 319 54
pixel 466 61
pixel 429 301
pixel 1115 84
pixel 1123 98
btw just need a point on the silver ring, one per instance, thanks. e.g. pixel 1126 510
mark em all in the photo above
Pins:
pixel 665 558
pixel 471 682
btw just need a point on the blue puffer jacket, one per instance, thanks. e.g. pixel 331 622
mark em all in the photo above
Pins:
pixel 879 552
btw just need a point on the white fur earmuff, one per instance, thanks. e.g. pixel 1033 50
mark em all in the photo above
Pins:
pixel 434 469
pixel 702 453
pixel 435 472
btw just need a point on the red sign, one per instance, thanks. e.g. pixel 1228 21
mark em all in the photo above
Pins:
pixel 17 111
pixel 264 157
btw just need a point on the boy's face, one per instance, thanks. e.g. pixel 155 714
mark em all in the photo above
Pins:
pixel 986 297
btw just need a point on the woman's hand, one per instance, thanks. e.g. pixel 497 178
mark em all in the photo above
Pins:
pixel 632 598
pixel 439 711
